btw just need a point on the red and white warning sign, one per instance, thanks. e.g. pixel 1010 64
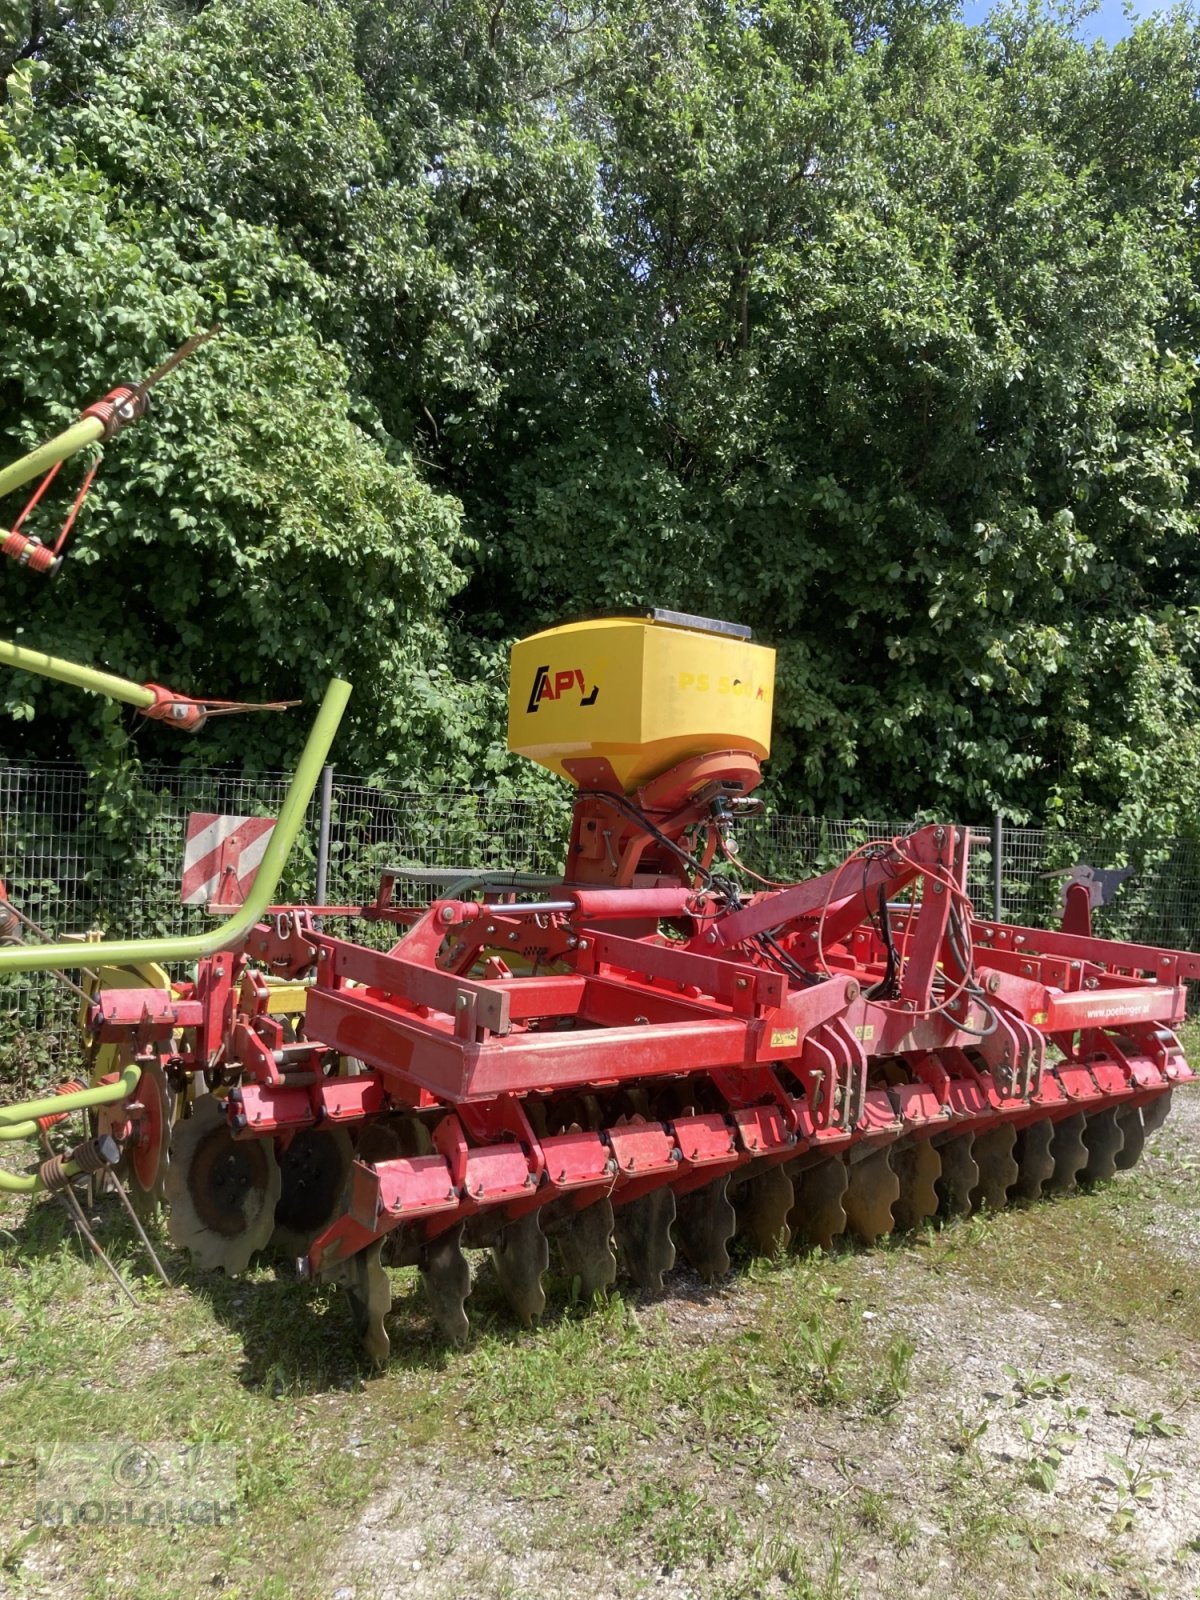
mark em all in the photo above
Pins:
pixel 221 856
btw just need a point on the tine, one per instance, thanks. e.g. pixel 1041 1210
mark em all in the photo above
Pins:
pixel 819 1216
pixel 447 1280
pixel 521 1255
pixel 1103 1138
pixel 643 1230
pixel 763 1204
pixel 959 1175
pixel 1133 1131
pixel 999 1169
pixel 585 1247
pixel 917 1166
pixel 1069 1152
pixel 871 1193
pixel 704 1224
pixel 1034 1162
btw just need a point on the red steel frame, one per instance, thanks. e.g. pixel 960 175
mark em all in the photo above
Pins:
pixel 789 1069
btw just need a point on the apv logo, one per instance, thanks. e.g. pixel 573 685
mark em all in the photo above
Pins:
pixel 547 688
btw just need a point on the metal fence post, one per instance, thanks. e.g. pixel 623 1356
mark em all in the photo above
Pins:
pixel 998 866
pixel 323 835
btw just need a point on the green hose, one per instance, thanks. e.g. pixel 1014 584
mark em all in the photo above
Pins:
pixel 105 683
pixel 88 430
pixel 19 1121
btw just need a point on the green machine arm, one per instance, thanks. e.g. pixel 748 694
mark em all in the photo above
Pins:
pixel 18 1121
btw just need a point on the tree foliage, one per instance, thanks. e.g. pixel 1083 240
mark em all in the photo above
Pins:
pixel 871 329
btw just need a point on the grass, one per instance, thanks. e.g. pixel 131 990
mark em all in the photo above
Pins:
pixel 820 1427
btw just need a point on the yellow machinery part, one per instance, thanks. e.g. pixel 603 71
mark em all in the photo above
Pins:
pixel 643 694
pixel 286 999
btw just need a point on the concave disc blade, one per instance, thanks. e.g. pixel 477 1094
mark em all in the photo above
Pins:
pixel 222 1191
pixel 999 1168
pixel 313 1173
pixel 917 1167
pixel 704 1224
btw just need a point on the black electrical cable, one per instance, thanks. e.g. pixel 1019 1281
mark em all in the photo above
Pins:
pixel 787 963
pixel 888 987
pixel 726 888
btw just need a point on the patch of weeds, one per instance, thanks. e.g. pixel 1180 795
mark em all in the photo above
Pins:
pixel 1132 1484
pixel 872 1510
pixel 965 1432
pixel 1036 1386
pixel 679 1522
pixel 1153 1426
pixel 821 1355
pixel 1050 1439
pixel 896 1377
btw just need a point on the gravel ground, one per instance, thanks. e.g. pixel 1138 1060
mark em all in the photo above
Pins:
pixel 941 1497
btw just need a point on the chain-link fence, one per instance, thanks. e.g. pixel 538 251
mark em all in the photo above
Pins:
pixel 77 854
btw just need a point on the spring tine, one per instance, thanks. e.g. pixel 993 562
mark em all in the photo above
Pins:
pixel 1104 1138
pixel 763 1204
pixel 871 1193
pixel 705 1222
pixel 137 1222
pixel 586 1250
pixel 521 1255
pixel 643 1230
pixel 819 1215
pixel 447 1280
pixel 998 1168
pixel 960 1174
pixel 918 1167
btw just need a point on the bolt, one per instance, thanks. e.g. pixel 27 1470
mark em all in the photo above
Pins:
pixel 491 927
pixel 743 983
pixel 993 983
pixel 852 992
pixel 583 944
pixel 447 913
pixel 462 1002
pixel 711 936
pixel 513 937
